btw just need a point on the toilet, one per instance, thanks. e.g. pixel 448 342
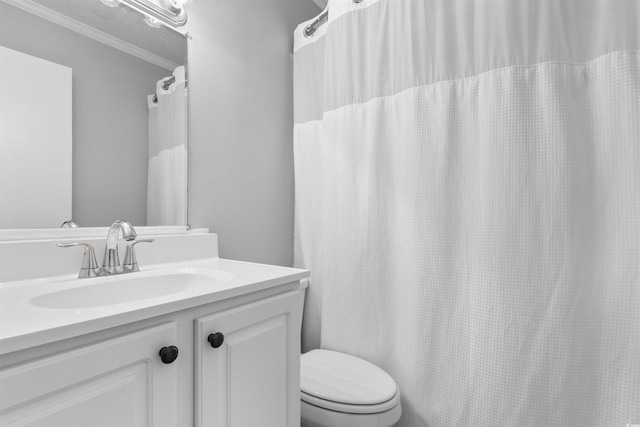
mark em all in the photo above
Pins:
pixel 341 390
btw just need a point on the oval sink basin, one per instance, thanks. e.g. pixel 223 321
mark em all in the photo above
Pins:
pixel 124 289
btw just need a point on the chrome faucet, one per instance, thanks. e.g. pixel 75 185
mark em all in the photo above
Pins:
pixel 111 260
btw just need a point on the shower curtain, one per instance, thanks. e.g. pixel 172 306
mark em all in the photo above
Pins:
pixel 468 202
pixel 167 176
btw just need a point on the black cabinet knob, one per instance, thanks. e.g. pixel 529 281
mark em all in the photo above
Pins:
pixel 168 354
pixel 216 339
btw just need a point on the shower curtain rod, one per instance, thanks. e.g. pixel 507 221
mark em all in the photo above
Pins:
pixel 165 85
pixel 310 29
pixel 171 80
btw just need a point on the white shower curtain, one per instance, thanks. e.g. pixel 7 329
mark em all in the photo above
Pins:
pixel 468 203
pixel 167 176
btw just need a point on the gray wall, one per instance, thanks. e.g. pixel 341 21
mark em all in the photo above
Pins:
pixel 110 115
pixel 241 124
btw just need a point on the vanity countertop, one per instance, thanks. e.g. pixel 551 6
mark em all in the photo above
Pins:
pixel 40 311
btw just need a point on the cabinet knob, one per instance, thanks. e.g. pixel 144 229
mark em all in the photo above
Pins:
pixel 216 339
pixel 168 354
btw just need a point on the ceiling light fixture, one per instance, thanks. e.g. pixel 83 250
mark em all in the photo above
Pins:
pixel 111 3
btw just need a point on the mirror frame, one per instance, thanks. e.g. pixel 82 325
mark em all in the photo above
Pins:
pixel 20 234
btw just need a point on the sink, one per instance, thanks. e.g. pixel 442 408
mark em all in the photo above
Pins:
pixel 126 289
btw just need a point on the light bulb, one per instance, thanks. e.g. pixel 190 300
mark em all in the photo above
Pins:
pixel 174 6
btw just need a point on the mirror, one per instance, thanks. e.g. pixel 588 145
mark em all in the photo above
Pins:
pixel 124 75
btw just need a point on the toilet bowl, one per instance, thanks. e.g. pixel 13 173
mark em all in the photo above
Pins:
pixel 341 390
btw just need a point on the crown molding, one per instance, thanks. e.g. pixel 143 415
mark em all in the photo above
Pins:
pixel 92 33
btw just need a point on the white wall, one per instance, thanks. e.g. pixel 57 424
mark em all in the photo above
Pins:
pixel 241 123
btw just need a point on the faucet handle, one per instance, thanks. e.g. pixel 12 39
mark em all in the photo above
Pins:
pixel 89 264
pixel 130 263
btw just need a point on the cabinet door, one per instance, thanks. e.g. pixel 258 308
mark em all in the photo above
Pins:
pixel 253 378
pixel 117 382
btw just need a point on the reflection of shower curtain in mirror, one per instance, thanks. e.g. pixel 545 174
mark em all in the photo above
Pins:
pixel 167 180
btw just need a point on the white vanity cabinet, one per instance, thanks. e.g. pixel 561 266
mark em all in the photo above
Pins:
pixel 116 382
pixel 115 376
pixel 247 364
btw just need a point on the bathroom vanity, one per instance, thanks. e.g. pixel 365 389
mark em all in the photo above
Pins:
pixel 200 341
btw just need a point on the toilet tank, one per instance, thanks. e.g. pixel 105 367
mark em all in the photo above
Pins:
pixel 304 284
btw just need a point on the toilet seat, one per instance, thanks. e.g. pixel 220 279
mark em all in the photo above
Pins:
pixel 344 383
pixel 351 409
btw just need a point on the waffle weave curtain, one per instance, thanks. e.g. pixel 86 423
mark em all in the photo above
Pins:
pixel 468 202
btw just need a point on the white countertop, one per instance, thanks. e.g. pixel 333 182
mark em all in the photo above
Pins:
pixel 24 324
